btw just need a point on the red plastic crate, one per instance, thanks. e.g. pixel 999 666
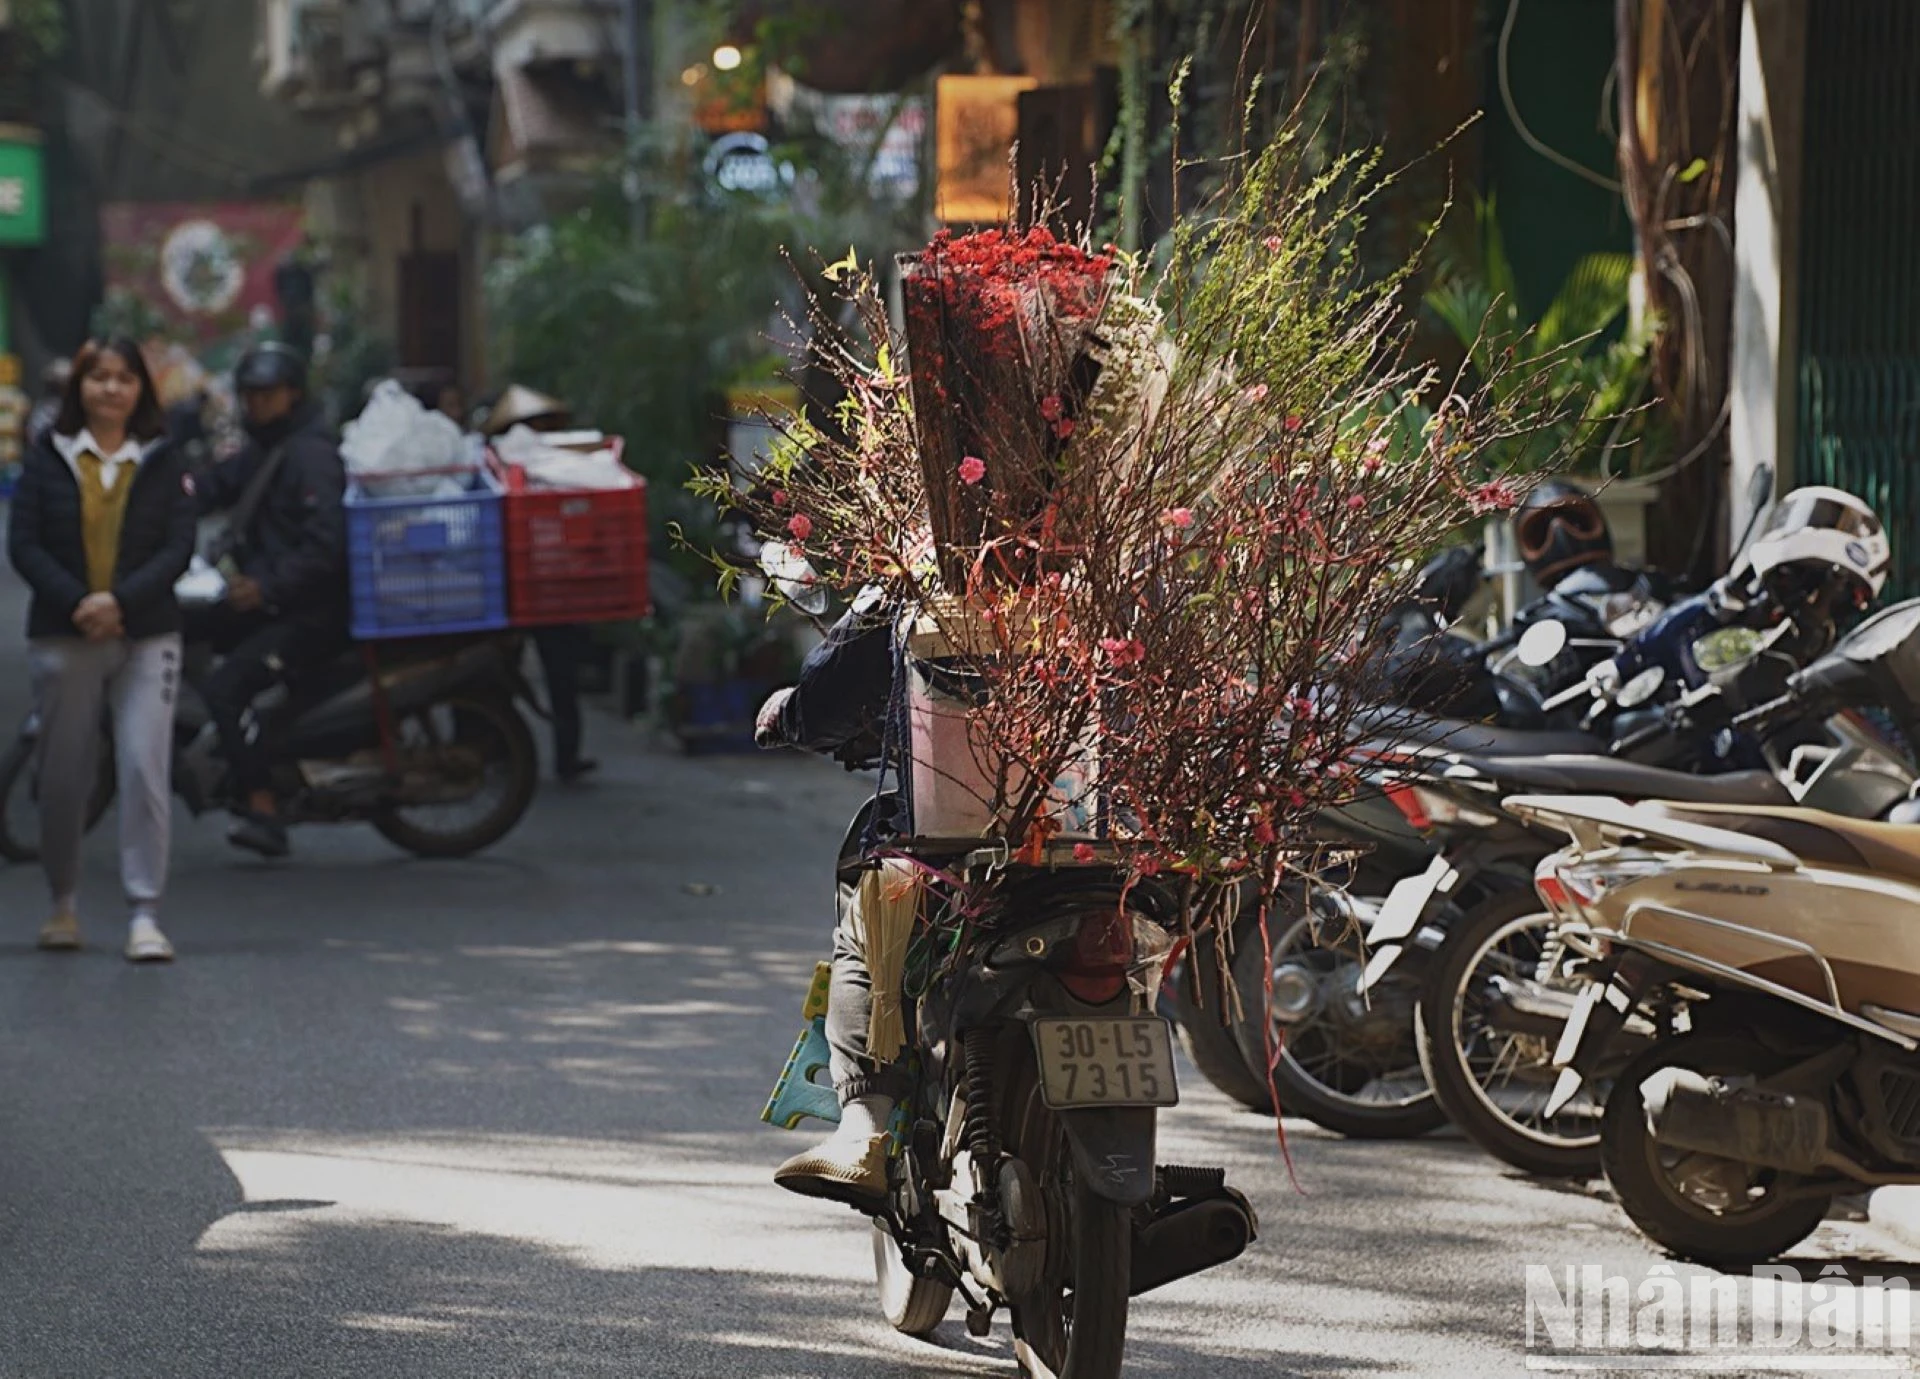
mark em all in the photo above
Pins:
pixel 575 556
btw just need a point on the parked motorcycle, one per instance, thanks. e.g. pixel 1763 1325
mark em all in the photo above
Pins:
pixel 1344 1058
pixel 1748 985
pixel 1492 999
pixel 433 751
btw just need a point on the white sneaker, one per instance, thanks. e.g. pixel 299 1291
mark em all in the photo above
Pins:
pixel 145 942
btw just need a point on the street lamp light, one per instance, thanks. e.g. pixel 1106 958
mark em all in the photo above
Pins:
pixel 727 57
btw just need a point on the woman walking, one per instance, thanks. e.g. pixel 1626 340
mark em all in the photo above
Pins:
pixel 103 524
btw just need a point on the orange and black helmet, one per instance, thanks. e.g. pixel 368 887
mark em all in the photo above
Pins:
pixel 1560 528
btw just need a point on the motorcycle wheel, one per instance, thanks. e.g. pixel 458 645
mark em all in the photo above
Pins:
pixel 1715 1211
pixel 1364 1088
pixel 1494 1083
pixel 912 1305
pixel 1208 1036
pixel 1080 1330
pixel 20 799
pixel 480 742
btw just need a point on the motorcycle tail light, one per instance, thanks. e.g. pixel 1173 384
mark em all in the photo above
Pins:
pixel 1095 967
pixel 1547 886
pixel 1582 885
pixel 1407 800
pixel 1426 808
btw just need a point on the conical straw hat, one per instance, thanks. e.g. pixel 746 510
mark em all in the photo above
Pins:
pixel 519 403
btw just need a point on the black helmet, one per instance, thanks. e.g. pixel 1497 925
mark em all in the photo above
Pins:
pixel 1560 528
pixel 271 364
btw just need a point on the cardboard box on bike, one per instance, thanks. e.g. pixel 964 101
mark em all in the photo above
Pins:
pixel 962 783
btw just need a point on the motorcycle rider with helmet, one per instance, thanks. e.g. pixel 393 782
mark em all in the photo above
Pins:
pixel 285 609
pixel 1565 543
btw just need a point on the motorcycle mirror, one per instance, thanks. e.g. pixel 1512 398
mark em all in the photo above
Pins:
pixel 1541 644
pixel 1641 688
pixel 793 575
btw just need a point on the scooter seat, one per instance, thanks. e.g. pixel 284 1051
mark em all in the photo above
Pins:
pixel 1604 775
pixel 1815 836
pixel 1397 728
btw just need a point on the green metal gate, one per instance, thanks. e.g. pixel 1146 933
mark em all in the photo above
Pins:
pixel 1859 413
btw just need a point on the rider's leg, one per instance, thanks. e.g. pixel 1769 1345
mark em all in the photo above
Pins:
pixel 249 670
pixel 850 1009
pixel 850 1166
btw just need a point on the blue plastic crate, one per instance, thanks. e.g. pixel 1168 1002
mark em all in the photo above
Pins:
pixel 718 718
pixel 421 567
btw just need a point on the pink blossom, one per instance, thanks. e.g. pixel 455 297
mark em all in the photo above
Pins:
pixel 1494 496
pixel 1263 831
pixel 800 526
pixel 1296 799
pixel 1377 446
pixel 1273 243
pixel 1063 427
pixel 1052 408
pixel 1122 651
pixel 1370 466
pixel 1295 421
pixel 972 469
pixel 1083 852
pixel 779 497
pixel 1256 394
pixel 1357 502
pixel 1177 517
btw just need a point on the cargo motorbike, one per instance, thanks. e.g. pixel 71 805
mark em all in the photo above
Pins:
pixel 426 742
pixel 1022 1172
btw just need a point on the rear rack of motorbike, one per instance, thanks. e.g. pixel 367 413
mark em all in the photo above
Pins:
pixel 997 854
pixel 1682 958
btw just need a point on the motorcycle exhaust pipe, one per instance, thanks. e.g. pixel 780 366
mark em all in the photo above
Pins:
pixel 1735 1120
pixel 1187 1237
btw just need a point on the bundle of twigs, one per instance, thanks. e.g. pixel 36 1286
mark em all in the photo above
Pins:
pixel 1167 508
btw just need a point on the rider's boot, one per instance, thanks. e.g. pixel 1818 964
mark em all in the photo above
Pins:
pixel 851 1166
pixel 260 828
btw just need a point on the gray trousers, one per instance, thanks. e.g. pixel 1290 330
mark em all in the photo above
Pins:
pixel 137 683
pixel 850 1007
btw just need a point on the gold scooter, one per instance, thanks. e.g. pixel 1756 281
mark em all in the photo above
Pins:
pixel 1767 964
pixel 1759 969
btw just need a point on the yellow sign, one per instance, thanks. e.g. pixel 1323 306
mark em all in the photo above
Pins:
pixel 977 120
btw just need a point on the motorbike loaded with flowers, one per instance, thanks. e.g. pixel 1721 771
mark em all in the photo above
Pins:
pixel 1125 527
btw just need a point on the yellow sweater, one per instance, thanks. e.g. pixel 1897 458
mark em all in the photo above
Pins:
pixel 102 512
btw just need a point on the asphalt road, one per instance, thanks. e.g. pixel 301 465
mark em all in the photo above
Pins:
pixel 392 1118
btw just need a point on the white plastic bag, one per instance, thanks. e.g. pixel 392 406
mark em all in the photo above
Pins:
pixel 569 460
pixel 396 448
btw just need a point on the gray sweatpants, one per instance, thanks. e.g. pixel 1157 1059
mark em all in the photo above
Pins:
pixel 137 682
pixel 849 1006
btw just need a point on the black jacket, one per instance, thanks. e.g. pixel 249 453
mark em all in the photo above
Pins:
pixel 844 684
pixel 46 546
pixel 296 544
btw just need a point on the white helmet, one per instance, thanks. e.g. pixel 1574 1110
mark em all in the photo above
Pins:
pixel 1822 532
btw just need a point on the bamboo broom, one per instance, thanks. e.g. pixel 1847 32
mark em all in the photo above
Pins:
pixel 889 903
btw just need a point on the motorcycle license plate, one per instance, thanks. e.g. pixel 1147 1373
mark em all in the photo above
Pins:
pixel 1105 1061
